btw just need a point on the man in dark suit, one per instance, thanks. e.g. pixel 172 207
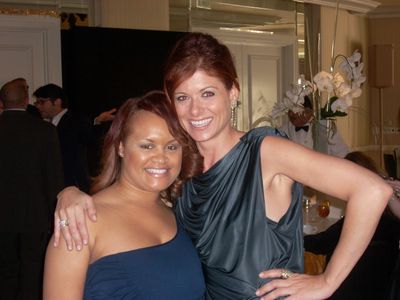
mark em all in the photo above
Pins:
pixel 74 131
pixel 30 178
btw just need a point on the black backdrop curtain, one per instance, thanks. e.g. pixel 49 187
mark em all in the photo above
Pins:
pixel 103 67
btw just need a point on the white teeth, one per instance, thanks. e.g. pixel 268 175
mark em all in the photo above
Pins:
pixel 201 123
pixel 157 171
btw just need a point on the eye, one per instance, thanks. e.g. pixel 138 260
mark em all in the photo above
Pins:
pixel 173 147
pixel 207 94
pixel 181 98
pixel 147 146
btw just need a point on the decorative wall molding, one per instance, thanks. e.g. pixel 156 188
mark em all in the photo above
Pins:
pixel 354 6
pixel 76 6
pixel 30 47
pixel 386 11
pixel 29 12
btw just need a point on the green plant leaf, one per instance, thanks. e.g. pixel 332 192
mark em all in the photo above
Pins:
pixel 329 113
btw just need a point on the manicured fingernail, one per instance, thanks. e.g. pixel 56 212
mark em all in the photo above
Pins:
pixel 94 217
pixel 70 248
pixel 258 293
pixel 261 274
pixel 85 242
pixel 78 247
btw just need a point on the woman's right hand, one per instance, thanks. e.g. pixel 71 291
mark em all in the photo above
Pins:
pixel 72 207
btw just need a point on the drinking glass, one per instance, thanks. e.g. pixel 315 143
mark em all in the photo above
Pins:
pixel 323 208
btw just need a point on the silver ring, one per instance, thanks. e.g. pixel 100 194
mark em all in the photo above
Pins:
pixel 286 274
pixel 64 223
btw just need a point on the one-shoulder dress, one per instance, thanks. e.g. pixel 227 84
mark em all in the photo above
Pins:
pixel 223 210
pixel 170 271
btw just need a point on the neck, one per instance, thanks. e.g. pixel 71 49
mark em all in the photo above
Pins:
pixel 57 111
pixel 133 195
pixel 15 107
pixel 215 149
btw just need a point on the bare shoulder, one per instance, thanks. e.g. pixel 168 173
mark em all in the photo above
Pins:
pixel 104 202
pixel 275 148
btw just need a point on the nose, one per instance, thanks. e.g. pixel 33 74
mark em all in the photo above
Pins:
pixel 160 157
pixel 195 107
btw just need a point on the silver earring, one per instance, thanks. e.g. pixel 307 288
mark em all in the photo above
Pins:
pixel 234 106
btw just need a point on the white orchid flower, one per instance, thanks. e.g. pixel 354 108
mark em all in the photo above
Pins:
pixel 355 57
pixel 342 90
pixel 323 81
pixel 339 105
pixel 355 93
pixel 337 80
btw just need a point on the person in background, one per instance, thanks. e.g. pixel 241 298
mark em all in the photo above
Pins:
pixel 244 211
pixel 137 241
pixel 379 257
pixel 75 132
pixel 299 128
pixel 32 109
pixel 30 177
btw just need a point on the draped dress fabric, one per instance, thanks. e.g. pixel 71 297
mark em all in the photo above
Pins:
pixel 168 271
pixel 223 210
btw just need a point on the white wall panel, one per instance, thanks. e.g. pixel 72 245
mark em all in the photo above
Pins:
pixel 30 47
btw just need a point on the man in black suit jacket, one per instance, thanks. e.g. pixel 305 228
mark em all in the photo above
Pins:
pixel 30 178
pixel 74 131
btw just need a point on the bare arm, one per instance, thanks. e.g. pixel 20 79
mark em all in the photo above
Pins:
pixel 65 273
pixel 367 195
pixel 105 116
pixel 73 205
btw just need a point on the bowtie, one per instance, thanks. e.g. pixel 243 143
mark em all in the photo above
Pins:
pixel 305 128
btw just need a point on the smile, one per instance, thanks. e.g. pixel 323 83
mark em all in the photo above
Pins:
pixel 201 123
pixel 156 171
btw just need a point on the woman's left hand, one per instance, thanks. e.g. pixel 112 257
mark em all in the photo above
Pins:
pixel 296 286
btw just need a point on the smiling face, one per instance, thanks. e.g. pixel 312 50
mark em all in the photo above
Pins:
pixel 151 156
pixel 203 104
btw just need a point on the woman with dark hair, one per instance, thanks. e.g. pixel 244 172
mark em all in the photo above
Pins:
pixel 136 240
pixel 244 212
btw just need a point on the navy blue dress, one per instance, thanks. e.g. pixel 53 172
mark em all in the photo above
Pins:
pixel 223 210
pixel 168 271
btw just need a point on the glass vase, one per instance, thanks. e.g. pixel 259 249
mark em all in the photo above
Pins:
pixel 323 131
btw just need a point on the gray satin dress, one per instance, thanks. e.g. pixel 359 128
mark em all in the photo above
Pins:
pixel 223 211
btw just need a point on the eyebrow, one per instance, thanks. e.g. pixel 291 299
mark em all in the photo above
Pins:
pixel 151 140
pixel 208 87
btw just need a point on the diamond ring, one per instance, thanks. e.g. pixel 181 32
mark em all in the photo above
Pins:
pixel 286 274
pixel 64 223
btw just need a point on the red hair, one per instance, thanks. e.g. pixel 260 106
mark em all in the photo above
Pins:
pixel 199 51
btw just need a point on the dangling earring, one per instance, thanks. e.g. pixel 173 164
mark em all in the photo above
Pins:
pixel 120 152
pixel 234 106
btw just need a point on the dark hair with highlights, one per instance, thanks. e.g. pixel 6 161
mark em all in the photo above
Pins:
pixel 199 51
pixel 364 161
pixel 155 102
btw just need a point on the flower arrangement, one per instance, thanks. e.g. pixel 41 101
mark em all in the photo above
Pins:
pixel 338 88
